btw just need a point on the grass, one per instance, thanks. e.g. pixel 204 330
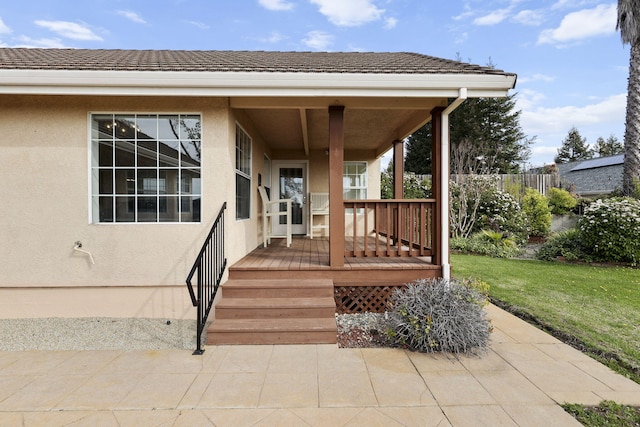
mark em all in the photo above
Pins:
pixel 597 308
pixel 608 414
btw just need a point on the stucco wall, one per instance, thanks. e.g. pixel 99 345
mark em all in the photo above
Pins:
pixel 44 190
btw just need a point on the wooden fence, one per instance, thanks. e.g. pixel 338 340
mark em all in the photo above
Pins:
pixel 515 183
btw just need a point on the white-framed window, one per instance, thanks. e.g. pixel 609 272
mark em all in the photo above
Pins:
pixel 354 180
pixel 243 174
pixel 145 168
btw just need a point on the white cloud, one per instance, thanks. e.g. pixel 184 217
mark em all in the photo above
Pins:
pixel 70 30
pixel 493 18
pixel 466 14
pixel 390 23
pixel 198 24
pixel 583 24
pixel 4 28
pixel 24 41
pixel 276 4
pixel 351 13
pixel 571 4
pixel 538 77
pixel 558 119
pixel 318 40
pixel 131 16
pixel 527 99
pixel 529 17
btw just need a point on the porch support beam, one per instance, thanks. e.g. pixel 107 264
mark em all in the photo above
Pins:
pixel 437 176
pixel 398 169
pixel 336 204
pixel 305 130
pixel 444 184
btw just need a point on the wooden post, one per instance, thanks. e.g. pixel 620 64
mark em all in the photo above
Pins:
pixel 336 204
pixel 436 182
pixel 398 169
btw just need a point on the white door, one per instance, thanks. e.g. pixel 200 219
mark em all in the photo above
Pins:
pixel 291 183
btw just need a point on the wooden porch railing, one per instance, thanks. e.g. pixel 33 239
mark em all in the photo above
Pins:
pixel 389 228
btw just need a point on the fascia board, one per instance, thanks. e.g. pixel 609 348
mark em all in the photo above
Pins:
pixel 67 82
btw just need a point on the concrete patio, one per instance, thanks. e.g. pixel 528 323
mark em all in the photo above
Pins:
pixel 519 382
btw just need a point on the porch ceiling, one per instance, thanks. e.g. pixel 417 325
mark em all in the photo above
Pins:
pixel 370 127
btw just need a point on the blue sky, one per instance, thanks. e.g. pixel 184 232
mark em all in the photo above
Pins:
pixel 572 67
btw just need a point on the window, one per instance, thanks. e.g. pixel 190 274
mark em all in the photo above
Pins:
pixel 354 180
pixel 145 168
pixel 243 174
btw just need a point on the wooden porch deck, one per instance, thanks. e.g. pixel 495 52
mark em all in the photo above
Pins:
pixel 309 258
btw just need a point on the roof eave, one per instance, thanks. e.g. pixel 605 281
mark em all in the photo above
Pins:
pixel 188 83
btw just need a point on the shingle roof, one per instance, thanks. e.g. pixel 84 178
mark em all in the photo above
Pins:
pixel 235 61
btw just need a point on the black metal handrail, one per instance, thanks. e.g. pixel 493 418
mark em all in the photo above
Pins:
pixel 210 265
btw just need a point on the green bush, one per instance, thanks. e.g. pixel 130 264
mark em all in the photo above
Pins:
pixel 438 315
pixel 561 201
pixel 499 211
pixel 611 229
pixel 486 242
pixel 566 244
pixel 536 210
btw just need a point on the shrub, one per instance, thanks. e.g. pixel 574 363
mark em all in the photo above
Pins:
pixel 499 211
pixel 565 244
pixel 561 201
pixel 536 210
pixel 465 201
pixel 438 315
pixel 611 229
pixel 486 242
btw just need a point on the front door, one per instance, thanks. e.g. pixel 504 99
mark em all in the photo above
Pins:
pixel 291 183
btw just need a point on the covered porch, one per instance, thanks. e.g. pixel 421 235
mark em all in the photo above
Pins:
pixel 360 283
pixel 366 228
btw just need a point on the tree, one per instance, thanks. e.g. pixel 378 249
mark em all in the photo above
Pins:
pixel 610 147
pixel 487 130
pixel 574 147
pixel 629 26
pixel 418 156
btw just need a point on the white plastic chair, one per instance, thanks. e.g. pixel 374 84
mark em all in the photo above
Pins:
pixel 271 209
pixel 319 206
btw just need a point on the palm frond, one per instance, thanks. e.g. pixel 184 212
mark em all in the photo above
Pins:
pixel 629 20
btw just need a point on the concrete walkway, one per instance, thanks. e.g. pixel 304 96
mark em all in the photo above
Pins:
pixel 520 381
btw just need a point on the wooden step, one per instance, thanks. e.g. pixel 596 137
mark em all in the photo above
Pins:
pixel 273 331
pixel 283 288
pixel 278 311
pixel 274 308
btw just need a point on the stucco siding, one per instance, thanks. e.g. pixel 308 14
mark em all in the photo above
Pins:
pixel 46 208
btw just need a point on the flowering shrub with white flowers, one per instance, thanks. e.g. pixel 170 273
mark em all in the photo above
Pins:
pixel 500 211
pixel 611 229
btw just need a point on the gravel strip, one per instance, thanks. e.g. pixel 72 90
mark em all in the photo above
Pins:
pixel 366 321
pixel 106 333
pixel 96 334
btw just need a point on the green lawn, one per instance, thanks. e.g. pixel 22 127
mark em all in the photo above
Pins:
pixel 600 306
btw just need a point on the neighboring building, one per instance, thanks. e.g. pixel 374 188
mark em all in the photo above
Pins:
pixel 593 177
pixel 133 153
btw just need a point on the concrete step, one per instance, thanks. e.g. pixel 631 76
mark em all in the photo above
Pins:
pixel 273 331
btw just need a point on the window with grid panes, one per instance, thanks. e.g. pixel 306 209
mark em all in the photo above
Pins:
pixel 243 174
pixel 145 168
pixel 354 180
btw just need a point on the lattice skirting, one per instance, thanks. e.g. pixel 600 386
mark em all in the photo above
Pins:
pixel 359 299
